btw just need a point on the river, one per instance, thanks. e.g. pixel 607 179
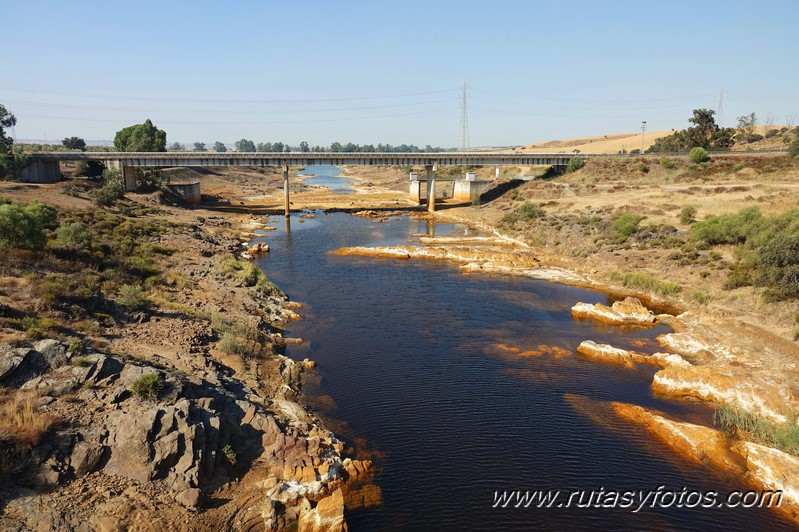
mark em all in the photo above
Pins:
pixel 418 365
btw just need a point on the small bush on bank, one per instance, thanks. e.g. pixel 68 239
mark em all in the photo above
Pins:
pixel 245 272
pixel 646 282
pixel 698 155
pixel 132 297
pixel 574 164
pixel 626 224
pixel 688 214
pixel 667 163
pixel 148 387
pixel 728 228
pixel 737 422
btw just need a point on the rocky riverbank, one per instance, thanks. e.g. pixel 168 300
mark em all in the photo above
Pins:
pixel 727 364
pixel 146 388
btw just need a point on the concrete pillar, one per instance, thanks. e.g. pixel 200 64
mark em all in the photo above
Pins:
pixel 286 189
pixel 431 188
pixel 416 189
pixel 128 177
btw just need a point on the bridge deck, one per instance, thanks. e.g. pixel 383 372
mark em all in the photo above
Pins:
pixel 311 159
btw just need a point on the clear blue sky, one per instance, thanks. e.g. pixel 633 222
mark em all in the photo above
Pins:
pixel 391 72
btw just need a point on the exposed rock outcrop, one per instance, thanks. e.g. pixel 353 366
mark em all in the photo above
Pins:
pixel 752 392
pixel 763 467
pixel 629 311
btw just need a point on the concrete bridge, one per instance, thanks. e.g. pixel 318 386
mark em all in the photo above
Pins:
pixel 42 167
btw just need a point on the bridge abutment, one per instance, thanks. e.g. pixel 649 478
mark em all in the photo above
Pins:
pixel 41 171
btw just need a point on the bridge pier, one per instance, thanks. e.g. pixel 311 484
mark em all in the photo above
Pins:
pixel 431 187
pixel 128 174
pixel 286 189
pixel 415 188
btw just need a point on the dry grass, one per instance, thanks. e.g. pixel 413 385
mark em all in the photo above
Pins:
pixel 21 421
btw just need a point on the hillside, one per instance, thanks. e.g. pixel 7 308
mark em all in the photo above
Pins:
pixel 612 144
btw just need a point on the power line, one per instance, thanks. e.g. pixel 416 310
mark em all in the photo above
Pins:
pixel 216 100
pixel 209 111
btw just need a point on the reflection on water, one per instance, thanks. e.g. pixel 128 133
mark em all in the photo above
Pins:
pixel 461 385
pixel 327 176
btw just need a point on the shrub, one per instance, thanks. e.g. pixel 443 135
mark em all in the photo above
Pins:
pixel 728 228
pixel 113 188
pixel 574 164
pixel 703 298
pixel 667 163
pixel 738 422
pixel 793 148
pixel 131 297
pixel 148 386
pixel 626 224
pixel 74 234
pixel 754 137
pixel 647 282
pixel 76 347
pixel 18 229
pixel 698 155
pixel 688 214
pixel 36 328
pixel 738 167
pixel 230 454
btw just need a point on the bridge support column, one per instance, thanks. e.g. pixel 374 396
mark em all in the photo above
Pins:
pixel 129 177
pixel 431 187
pixel 415 189
pixel 286 189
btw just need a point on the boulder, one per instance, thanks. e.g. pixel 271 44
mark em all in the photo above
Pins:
pixel 630 311
pixel 328 516
pixel 190 498
pixel 53 351
pixel 86 457
pixel 18 366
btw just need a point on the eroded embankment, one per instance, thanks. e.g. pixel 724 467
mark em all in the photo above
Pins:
pixel 180 414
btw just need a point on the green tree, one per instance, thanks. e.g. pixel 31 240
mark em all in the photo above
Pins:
pixel 746 127
pixel 793 149
pixel 75 235
pixel 219 147
pixel 199 146
pixel 6 120
pixel 704 133
pixel 176 146
pixel 245 145
pixel 304 147
pixel 265 146
pixel 278 147
pixel 141 137
pixel 74 143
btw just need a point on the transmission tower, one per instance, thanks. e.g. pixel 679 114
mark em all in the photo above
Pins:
pixel 464 135
pixel 721 108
